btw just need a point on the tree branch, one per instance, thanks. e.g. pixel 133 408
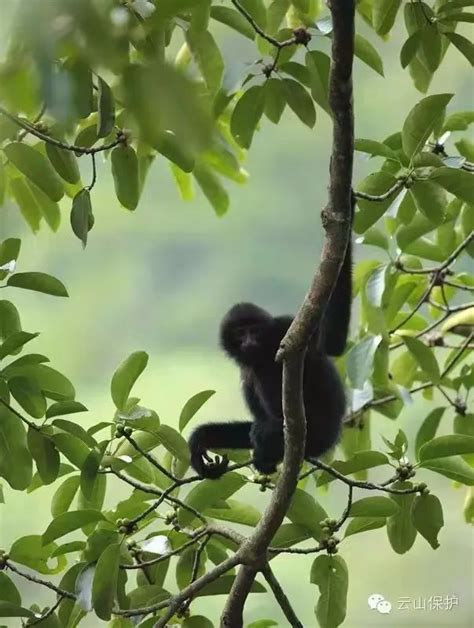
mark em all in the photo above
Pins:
pixel 336 220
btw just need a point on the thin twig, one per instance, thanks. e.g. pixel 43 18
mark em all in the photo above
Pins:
pixel 420 303
pixel 81 150
pixel 20 416
pixel 281 597
pixel 163 557
pixel 358 483
pixel 44 583
pixel 380 197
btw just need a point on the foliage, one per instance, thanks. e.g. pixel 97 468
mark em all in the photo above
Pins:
pixel 142 81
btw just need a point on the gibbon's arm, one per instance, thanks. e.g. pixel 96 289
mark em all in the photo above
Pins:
pixel 337 317
pixel 232 435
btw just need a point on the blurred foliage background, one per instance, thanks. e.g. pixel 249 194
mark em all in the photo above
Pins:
pixel 161 278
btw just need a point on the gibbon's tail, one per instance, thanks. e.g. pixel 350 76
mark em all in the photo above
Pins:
pixel 338 312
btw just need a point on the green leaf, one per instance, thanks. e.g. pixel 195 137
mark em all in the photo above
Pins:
pixel 427 517
pixel 82 218
pixel 173 442
pixel 8 590
pixel 384 14
pixel 208 57
pixel 68 522
pixel 28 395
pixel 234 20
pixel 275 99
pixel 236 512
pixel 9 319
pixel 64 407
pixel 151 92
pixel 459 17
pixel 331 576
pixel 89 472
pixel 197 621
pixel 14 342
pixel 15 461
pixel 223 586
pixel 184 568
pixel 377 506
pixel 104 587
pixel 210 492
pixel 48 209
pixel 169 146
pixel 400 529
pixel 25 200
pixel 453 467
pixel 212 189
pixel 306 512
pixel 64 162
pixel 297 71
pixel 369 212
pixel 290 534
pixel 53 383
pixel 368 54
pixel 300 102
pixel 445 446
pixel 105 109
pixel 318 64
pixel 428 429
pixel 125 174
pixel 456 181
pixel 375 237
pixel 9 251
pixel 7 609
pixel 44 454
pixel 80 76
pixel 421 121
pixel 359 362
pixel 74 449
pixel 192 406
pixel 458 121
pixel 40 282
pixel 30 551
pixel 375 148
pixel 246 115
pixel 430 200
pixel 183 181
pixel 424 356
pixel 125 377
pixel 375 285
pixel 36 168
pixel 465 46
pixel 409 48
pixel 64 495
pixel 363 524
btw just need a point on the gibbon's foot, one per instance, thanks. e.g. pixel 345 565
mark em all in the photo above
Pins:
pixel 264 467
pixel 209 468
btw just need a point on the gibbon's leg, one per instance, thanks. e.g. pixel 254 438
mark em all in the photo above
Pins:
pixel 267 441
pixel 232 435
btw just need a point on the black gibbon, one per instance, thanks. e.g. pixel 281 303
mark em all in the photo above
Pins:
pixel 251 337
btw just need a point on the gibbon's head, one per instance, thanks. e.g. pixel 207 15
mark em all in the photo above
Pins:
pixel 243 333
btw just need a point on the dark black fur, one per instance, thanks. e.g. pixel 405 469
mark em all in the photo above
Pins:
pixel 251 336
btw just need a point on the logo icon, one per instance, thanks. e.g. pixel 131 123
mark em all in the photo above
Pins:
pixel 378 603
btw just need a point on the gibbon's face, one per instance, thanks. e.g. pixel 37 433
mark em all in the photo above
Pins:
pixel 243 333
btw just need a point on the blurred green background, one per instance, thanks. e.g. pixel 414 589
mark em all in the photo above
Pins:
pixel 160 280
